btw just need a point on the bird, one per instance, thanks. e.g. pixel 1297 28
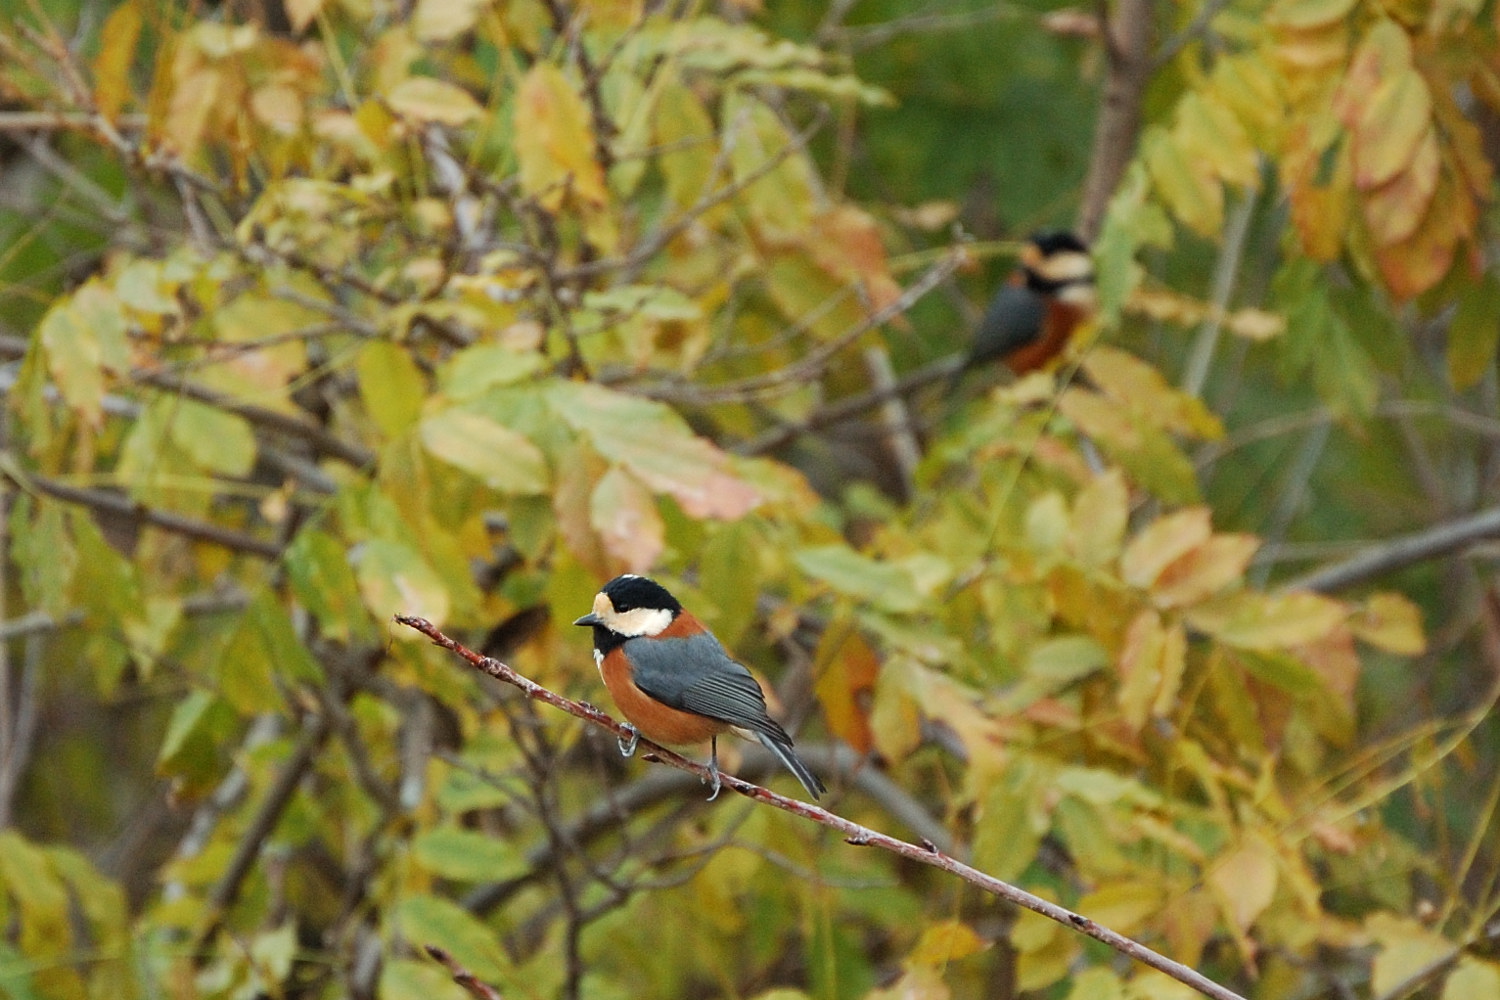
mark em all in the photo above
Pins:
pixel 675 682
pixel 1035 314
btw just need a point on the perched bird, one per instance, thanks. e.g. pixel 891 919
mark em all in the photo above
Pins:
pixel 674 681
pixel 1035 314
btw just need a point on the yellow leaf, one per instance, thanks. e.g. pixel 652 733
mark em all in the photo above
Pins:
pixel 1152 660
pixel 1255 324
pixel 118 37
pixel 424 99
pixel 1185 183
pixel 1391 622
pixel 554 139
pixel 1258 621
pixel 1393 121
pixel 444 20
pixel 1245 881
pixel 1304 14
pixel 624 514
pixel 279 107
pixel 501 458
pixel 944 942
pixel 1406 947
pixel 1100 513
pixel 1162 543
pixel 1472 979
pixel 395 579
pixel 1208 131
pixel 302 12
pixel 685 132
pixel 1124 906
pixel 1205 570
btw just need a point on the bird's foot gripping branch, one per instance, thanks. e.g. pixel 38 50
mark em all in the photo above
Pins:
pixel 853 833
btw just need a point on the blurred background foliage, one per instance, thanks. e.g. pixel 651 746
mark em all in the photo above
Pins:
pixel 318 311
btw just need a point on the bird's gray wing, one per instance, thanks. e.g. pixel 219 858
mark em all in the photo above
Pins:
pixel 695 674
pixel 1014 319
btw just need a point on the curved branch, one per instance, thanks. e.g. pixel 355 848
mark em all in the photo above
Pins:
pixel 854 833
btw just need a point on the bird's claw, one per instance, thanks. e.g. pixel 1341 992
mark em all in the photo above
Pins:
pixel 713 779
pixel 627 749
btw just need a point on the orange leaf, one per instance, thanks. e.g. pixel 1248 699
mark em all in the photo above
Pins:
pixel 1204 571
pixel 1162 543
pixel 121 31
pixel 846 685
pixel 847 245
pixel 624 514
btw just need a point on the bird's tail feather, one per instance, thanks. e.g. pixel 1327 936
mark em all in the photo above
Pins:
pixel 782 748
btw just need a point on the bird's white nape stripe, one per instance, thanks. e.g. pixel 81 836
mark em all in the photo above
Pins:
pixel 638 621
pixel 1070 266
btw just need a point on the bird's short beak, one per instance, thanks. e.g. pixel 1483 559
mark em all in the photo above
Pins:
pixel 589 619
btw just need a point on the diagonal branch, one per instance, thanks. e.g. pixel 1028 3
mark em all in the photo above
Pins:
pixel 854 833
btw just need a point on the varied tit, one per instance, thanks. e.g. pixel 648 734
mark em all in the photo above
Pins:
pixel 673 680
pixel 1035 314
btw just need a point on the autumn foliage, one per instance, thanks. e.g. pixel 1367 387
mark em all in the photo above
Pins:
pixel 324 311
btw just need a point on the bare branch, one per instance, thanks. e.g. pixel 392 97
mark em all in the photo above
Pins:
pixel 854 833
pixel 227 889
pixel 1127 37
pixel 118 503
pixel 1439 540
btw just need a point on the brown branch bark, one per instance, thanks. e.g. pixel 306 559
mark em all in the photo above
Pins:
pixel 854 833
pixel 1127 44
pixel 472 984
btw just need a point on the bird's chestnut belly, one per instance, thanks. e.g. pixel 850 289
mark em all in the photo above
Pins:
pixel 657 722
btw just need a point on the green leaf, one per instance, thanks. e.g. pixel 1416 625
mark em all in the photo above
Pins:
pixel 198 722
pixel 424 920
pixel 467 855
pixel 501 458
pixel 215 440
pixel 882 584
pixel 318 570
pixel 1011 822
pixel 40 895
pixel 1474 333
pixel 1065 659
pixel 406 979
pixel 395 579
pixel 474 370
pixel 44 552
pixel 265 649
pixel 391 386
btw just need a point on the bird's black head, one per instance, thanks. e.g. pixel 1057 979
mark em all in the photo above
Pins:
pixel 1055 241
pixel 629 592
pixel 631 606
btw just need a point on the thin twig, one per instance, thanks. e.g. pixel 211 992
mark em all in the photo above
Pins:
pixel 854 833
pixel 812 365
pixel 118 503
pixel 1395 553
pixel 471 983
pixel 247 851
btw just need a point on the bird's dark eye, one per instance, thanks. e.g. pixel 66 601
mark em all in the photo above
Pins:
pixel 620 609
